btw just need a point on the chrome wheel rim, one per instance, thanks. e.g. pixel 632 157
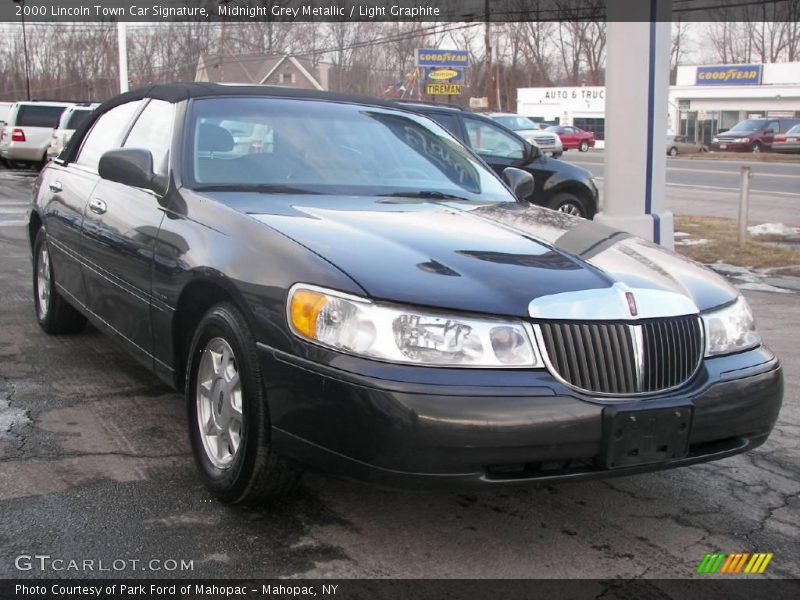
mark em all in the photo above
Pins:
pixel 570 209
pixel 219 403
pixel 43 281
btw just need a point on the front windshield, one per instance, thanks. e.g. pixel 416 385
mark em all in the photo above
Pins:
pixel 310 146
pixel 749 125
pixel 516 123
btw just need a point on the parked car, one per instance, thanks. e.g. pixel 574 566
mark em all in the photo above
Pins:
pixel 28 131
pixel 680 144
pixel 70 120
pixel 752 135
pixel 787 142
pixel 530 131
pixel 368 298
pixel 558 185
pixel 573 138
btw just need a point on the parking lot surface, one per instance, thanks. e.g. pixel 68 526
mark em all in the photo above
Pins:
pixel 95 464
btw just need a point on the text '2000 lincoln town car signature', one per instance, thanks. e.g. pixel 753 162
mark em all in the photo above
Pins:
pixel 340 284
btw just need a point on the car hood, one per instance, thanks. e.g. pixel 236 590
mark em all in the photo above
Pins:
pixel 484 257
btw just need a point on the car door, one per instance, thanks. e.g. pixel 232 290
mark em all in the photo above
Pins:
pixel 569 139
pixel 493 144
pixel 120 228
pixel 67 188
pixel 769 132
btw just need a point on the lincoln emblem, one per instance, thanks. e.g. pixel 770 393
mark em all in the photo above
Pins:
pixel 631 303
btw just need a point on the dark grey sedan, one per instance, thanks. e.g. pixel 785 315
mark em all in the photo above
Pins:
pixel 357 292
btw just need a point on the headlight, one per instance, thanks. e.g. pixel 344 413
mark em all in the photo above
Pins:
pixel 742 140
pixel 715 140
pixel 730 329
pixel 406 334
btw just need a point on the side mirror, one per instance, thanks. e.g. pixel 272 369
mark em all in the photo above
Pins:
pixel 130 166
pixel 520 182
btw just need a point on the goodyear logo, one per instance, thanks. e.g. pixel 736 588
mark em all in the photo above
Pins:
pixel 738 75
pixel 442 58
pixel 740 562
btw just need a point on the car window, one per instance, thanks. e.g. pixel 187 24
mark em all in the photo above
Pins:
pixel 106 134
pixel 486 138
pixel 795 129
pixel 449 122
pixel 153 131
pixel 328 148
pixel 516 123
pixel 773 127
pixel 30 115
pixel 77 118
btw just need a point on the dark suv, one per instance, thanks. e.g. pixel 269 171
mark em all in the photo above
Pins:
pixel 558 185
pixel 752 135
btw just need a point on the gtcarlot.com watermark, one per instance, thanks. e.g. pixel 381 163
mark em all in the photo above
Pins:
pixel 44 563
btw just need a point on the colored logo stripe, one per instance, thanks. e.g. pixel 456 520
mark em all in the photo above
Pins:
pixel 733 563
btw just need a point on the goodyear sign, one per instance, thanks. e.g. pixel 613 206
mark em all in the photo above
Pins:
pixel 434 74
pixel 442 89
pixel 427 57
pixel 729 75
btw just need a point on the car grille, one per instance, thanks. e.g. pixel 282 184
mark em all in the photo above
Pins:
pixel 545 140
pixel 622 358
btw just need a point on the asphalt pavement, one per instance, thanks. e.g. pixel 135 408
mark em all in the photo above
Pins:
pixel 95 464
pixel 708 187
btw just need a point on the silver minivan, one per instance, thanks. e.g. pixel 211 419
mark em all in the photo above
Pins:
pixel 27 133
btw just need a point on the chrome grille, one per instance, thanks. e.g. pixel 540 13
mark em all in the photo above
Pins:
pixel 547 141
pixel 624 358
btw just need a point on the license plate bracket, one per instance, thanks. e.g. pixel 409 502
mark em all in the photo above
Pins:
pixel 641 436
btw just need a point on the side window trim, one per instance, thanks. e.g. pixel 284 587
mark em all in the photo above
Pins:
pixel 135 120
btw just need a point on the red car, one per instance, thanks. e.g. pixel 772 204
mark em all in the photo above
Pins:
pixel 573 138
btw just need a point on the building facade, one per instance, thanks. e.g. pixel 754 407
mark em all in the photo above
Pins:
pixel 704 100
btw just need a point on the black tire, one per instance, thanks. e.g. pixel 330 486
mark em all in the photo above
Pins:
pixel 572 204
pixel 558 154
pixel 255 473
pixel 584 147
pixel 54 314
pixel 673 151
pixel 756 148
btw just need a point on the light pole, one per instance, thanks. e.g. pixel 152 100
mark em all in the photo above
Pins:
pixel 25 49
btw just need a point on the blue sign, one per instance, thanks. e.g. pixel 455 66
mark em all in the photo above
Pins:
pixel 729 75
pixel 427 57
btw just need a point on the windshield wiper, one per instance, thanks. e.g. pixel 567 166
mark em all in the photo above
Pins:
pixel 427 194
pixel 253 187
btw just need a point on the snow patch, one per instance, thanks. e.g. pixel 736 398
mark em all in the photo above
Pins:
pixel 698 242
pixel 682 234
pixel 773 229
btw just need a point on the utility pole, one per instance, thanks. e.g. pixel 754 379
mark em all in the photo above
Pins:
pixel 122 43
pixel 25 49
pixel 487 41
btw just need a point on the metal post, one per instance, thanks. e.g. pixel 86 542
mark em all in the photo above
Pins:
pixel 744 201
pixel 122 42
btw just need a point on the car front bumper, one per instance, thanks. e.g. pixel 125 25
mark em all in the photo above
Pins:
pixel 732 146
pixel 430 428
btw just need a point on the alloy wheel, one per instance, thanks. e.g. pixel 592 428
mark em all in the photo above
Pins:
pixel 570 209
pixel 219 403
pixel 43 281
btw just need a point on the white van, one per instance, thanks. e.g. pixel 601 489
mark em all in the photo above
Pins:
pixel 26 135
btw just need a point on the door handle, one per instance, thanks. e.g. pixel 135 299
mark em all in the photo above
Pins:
pixel 98 206
pixel 55 186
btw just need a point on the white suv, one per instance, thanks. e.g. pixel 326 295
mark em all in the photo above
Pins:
pixel 547 141
pixel 71 119
pixel 27 133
